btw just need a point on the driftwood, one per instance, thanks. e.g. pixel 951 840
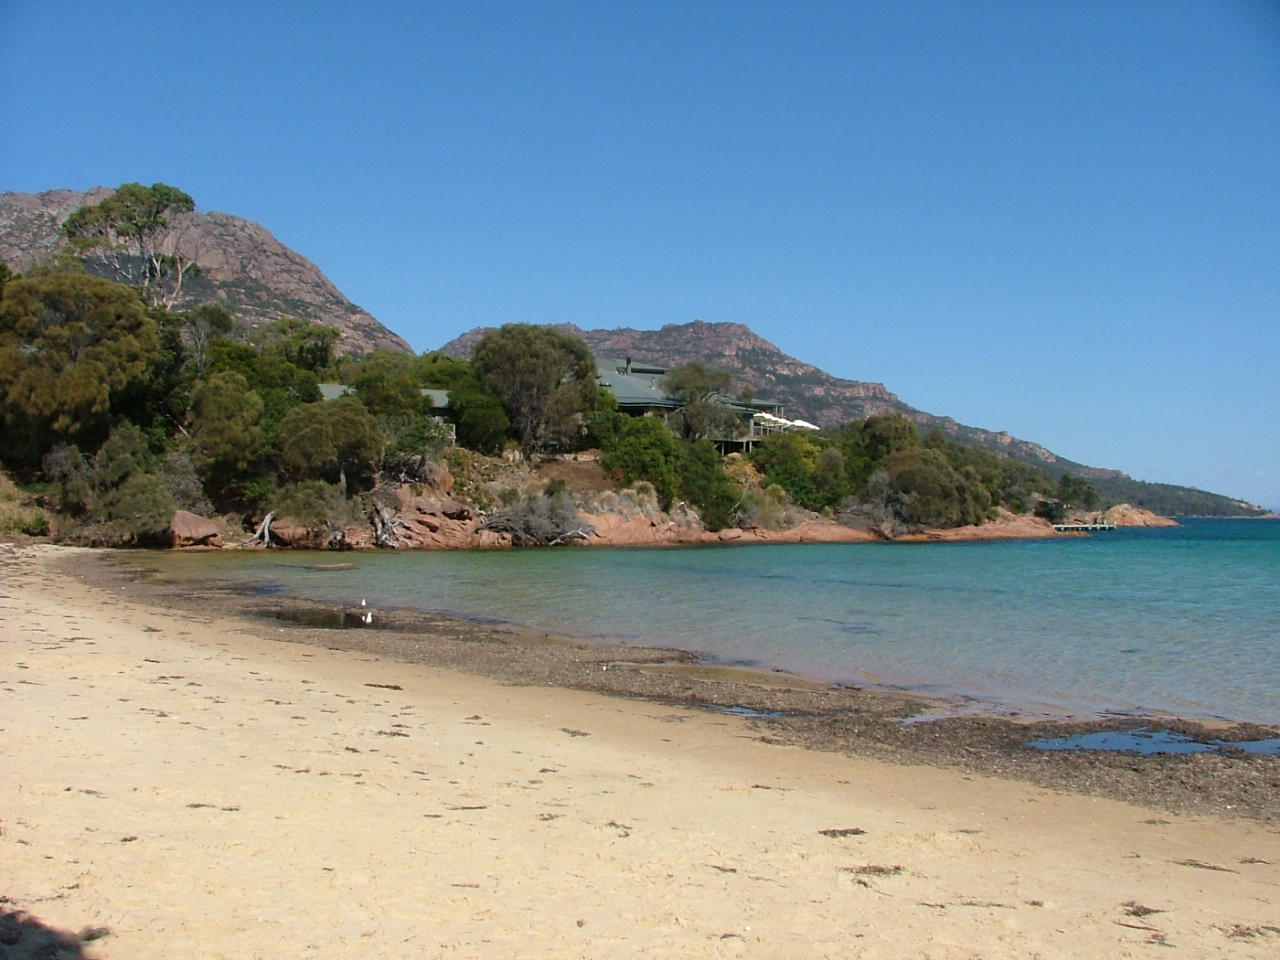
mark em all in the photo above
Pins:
pixel 582 533
pixel 263 532
pixel 384 524
pixel 336 539
pixel 544 521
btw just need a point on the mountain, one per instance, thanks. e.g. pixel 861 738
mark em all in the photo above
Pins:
pixel 241 265
pixel 815 395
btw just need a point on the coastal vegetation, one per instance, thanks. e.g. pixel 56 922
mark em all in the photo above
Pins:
pixel 226 275
pixel 119 410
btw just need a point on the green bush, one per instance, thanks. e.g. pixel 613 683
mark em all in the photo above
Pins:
pixel 311 502
pixel 139 507
pixel 788 459
pixel 645 450
pixel 704 484
pixel 36 526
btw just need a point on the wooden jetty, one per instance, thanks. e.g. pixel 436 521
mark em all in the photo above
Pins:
pixel 1082 527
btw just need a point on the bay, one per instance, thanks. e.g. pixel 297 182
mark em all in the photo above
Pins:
pixel 1184 620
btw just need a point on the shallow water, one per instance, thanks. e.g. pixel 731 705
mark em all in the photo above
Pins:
pixel 1146 742
pixel 1185 621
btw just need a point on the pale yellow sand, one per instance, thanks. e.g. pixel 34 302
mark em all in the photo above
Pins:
pixel 206 793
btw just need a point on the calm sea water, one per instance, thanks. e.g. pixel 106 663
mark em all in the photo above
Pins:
pixel 1183 620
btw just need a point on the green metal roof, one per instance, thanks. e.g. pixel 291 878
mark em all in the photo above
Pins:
pixel 332 391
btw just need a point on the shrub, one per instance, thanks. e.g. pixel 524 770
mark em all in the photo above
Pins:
pixel 645 450
pixel 704 484
pixel 788 460
pixel 540 521
pixel 313 503
pixel 1051 510
pixel 36 526
pixel 767 509
pixel 134 510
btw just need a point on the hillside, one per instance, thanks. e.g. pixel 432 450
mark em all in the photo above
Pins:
pixel 817 396
pixel 241 265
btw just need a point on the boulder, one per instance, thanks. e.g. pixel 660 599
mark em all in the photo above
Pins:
pixel 436 477
pixel 456 510
pixel 1127 515
pixel 187 529
pixel 288 534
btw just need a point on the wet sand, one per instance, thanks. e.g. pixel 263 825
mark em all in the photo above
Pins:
pixel 207 782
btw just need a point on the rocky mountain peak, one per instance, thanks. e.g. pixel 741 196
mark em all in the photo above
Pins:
pixel 242 265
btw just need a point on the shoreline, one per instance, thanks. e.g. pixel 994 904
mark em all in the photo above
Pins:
pixel 190 778
pixel 876 722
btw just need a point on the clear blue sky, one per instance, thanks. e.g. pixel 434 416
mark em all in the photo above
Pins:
pixel 1059 219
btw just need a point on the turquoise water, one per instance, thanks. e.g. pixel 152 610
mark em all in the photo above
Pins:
pixel 1182 620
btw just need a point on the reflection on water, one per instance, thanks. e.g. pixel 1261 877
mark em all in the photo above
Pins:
pixel 1145 742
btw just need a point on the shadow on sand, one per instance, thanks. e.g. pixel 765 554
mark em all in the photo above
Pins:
pixel 23 937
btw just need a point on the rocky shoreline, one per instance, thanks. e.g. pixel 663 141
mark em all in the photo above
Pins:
pixel 430 517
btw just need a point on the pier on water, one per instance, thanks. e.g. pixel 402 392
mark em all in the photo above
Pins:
pixel 1082 527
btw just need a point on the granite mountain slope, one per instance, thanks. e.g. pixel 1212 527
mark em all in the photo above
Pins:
pixel 241 264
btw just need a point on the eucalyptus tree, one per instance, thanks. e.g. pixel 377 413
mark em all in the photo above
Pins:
pixel 545 378
pixel 134 235
pixel 704 395
pixel 71 346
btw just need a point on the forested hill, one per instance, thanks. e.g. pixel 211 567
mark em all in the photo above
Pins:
pixel 815 395
pixel 806 391
pixel 241 265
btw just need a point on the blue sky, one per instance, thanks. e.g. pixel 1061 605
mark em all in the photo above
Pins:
pixel 1058 219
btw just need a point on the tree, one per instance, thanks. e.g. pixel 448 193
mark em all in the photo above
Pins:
pixel 830 476
pixel 306 345
pixel 336 436
pixel 203 325
pixel 887 434
pixel 70 346
pixel 1076 491
pixel 120 497
pixel 281 384
pixel 480 417
pixel 481 420
pixel 439 371
pixel 545 378
pixel 386 384
pixel 705 394
pixel 132 232
pixel 226 424
pixel 933 493
pixel 605 422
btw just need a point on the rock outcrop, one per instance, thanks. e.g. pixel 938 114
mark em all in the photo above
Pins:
pixel 187 529
pixel 1006 526
pixel 241 264
pixel 1127 515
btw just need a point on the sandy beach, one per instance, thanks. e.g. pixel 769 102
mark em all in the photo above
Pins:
pixel 201 786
